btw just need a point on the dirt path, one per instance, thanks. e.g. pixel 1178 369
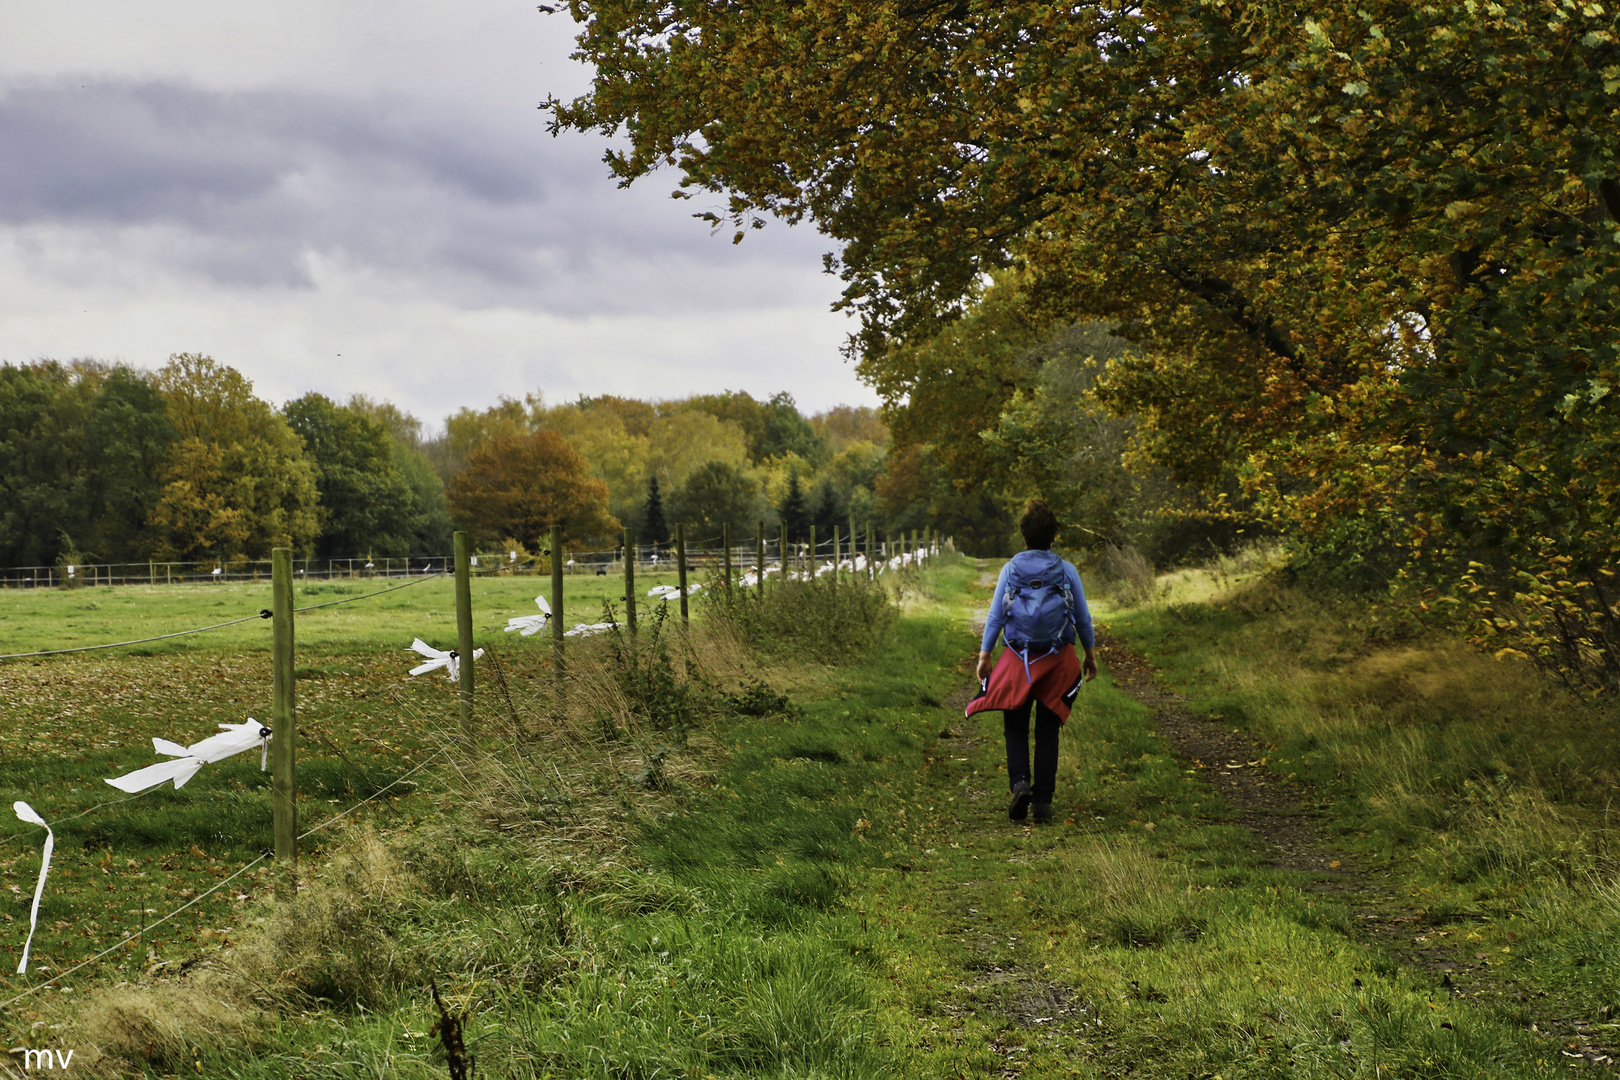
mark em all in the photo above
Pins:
pixel 1281 817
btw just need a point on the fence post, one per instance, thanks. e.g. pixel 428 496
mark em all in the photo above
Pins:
pixel 725 556
pixel 557 605
pixel 812 566
pixel 680 568
pixel 464 633
pixel 836 543
pixel 630 580
pixel 759 557
pixel 283 726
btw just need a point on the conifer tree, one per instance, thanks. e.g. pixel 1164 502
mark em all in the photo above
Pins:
pixel 653 526
pixel 794 515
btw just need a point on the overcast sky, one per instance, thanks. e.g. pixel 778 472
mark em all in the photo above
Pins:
pixel 351 196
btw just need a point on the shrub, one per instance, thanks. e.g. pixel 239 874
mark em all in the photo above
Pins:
pixel 831 622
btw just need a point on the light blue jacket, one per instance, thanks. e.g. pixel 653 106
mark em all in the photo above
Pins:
pixel 998 609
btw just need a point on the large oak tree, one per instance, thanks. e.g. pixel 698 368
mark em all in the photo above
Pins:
pixel 1371 250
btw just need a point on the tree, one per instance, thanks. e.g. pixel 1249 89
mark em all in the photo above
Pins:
pixel 368 502
pixel 679 443
pixel 521 485
pixel 788 432
pixel 914 492
pixel 792 513
pixel 235 480
pixel 469 429
pixel 653 527
pixel 612 454
pixel 830 510
pixel 737 407
pixel 843 426
pixel 717 494
pixel 1355 248
pixel 82 444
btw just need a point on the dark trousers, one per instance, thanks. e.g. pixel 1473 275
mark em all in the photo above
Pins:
pixel 1043 782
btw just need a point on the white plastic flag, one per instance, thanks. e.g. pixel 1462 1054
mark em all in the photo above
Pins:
pixel 28 814
pixel 439 658
pixel 587 629
pixel 531 625
pixel 671 592
pixel 233 739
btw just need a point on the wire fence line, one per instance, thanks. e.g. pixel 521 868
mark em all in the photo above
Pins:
pixel 630 554
pixel 263 613
pixel 146 927
pixel 136 937
pixel 362 567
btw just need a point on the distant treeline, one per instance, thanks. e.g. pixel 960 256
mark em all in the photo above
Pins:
pixel 107 463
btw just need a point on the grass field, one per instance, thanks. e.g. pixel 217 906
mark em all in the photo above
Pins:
pixel 38 619
pixel 816 878
pixel 68 722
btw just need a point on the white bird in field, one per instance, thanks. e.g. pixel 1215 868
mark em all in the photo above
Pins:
pixel 234 739
pixel 531 625
pixel 438 658
pixel 587 629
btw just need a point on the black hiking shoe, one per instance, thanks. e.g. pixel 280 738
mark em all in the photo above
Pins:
pixel 1043 813
pixel 1018 808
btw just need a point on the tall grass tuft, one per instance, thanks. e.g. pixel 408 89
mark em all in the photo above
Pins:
pixel 822 620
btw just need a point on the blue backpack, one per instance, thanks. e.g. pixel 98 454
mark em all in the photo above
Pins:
pixel 1038 606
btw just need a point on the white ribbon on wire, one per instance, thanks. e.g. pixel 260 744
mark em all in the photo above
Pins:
pixel 672 592
pixel 531 625
pixel 234 739
pixel 29 814
pixel 439 658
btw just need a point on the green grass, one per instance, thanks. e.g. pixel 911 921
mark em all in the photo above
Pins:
pixel 833 890
pixel 71 721
pixel 37 619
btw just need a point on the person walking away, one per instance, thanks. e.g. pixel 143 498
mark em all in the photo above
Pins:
pixel 1040 606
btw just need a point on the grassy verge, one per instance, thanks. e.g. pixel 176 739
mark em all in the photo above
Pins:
pixel 1484 791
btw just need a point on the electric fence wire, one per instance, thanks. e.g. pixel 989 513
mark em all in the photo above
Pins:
pixel 149 926
pixel 373 594
pixel 264 613
pixel 226 881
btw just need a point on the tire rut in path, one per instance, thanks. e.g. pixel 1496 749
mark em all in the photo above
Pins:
pixel 1279 814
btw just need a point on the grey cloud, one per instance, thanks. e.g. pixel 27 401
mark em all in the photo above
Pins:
pixel 469 209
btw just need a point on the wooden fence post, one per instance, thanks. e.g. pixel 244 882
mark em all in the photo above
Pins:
pixel 759 557
pixel 630 580
pixel 680 568
pixel 283 726
pixel 725 556
pixel 812 567
pixel 464 633
pixel 835 553
pixel 871 568
pixel 557 607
